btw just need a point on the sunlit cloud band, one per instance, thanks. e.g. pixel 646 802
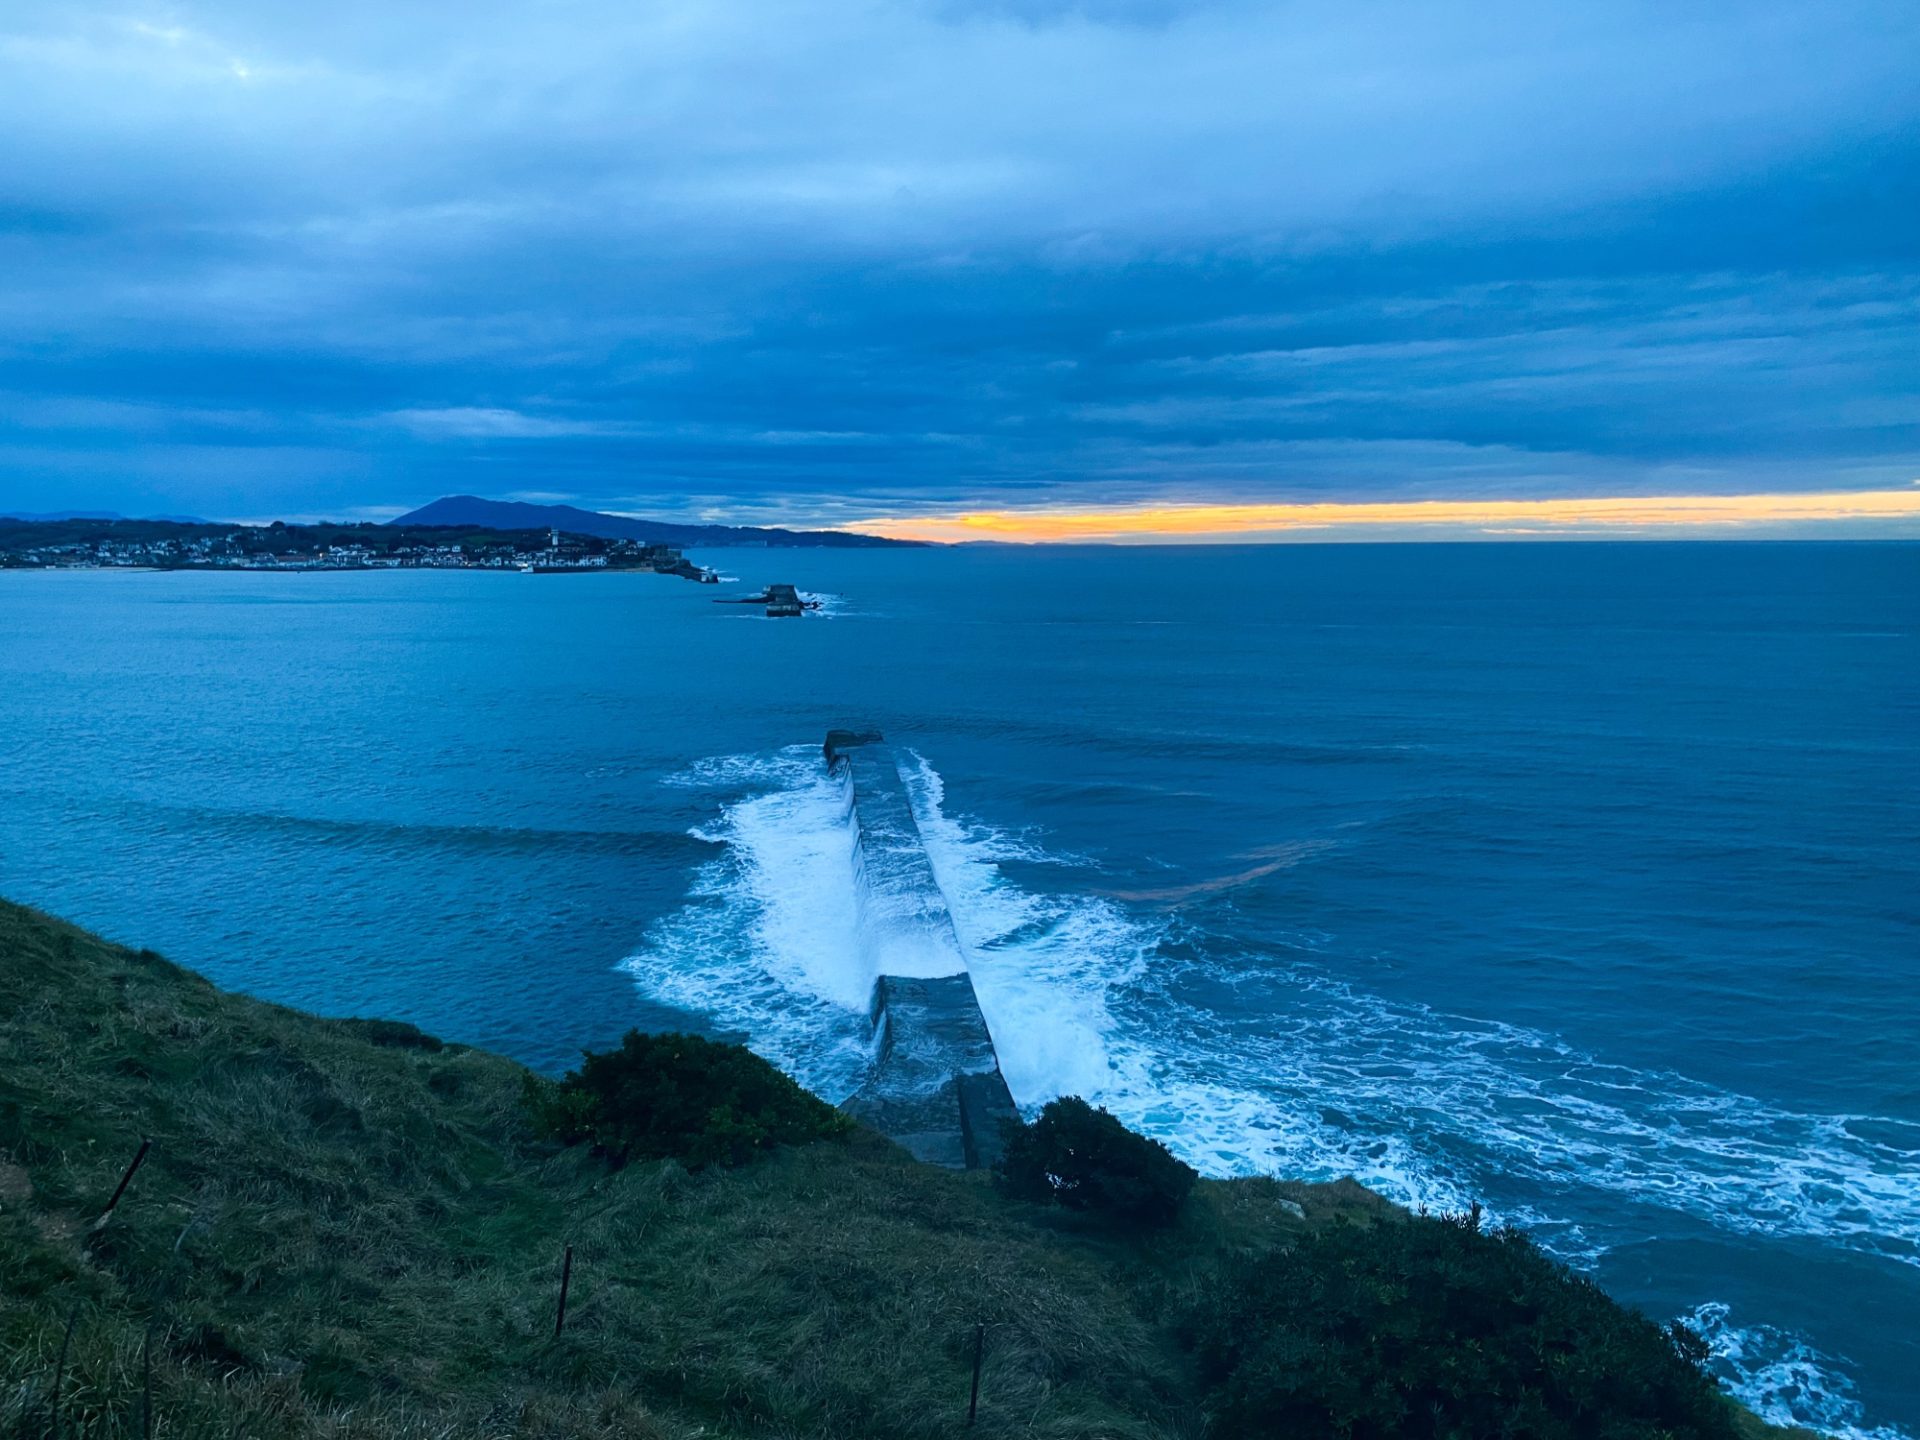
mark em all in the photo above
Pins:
pixel 1598 516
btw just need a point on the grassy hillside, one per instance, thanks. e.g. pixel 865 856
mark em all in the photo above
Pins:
pixel 345 1228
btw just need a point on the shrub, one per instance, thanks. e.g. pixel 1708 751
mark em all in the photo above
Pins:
pixel 394 1034
pixel 1083 1158
pixel 681 1097
pixel 1428 1329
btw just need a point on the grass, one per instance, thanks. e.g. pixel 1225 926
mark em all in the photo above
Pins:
pixel 345 1229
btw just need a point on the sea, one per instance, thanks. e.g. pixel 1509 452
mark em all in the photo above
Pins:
pixel 1578 880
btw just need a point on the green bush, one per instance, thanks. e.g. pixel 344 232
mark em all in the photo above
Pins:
pixel 1083 1158
pixel 684 1098
pixel 394 1034
pixel 1429 1329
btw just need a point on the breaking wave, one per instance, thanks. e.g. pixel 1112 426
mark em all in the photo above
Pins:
pixel 1242 1064
pixel 1782 1378
pixel 768 944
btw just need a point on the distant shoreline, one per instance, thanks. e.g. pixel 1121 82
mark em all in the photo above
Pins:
pixel 325 569
pixel 178 545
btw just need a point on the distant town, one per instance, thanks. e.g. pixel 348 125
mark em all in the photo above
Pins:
pixel 176 545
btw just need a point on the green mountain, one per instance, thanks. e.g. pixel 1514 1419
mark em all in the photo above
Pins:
pixel 471 510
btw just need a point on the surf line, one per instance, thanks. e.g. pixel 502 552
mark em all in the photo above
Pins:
pixel 935 1086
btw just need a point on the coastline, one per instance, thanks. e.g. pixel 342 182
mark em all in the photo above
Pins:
pixel 400 1225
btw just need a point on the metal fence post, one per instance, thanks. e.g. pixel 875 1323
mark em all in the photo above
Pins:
pixel 566 1278
pixel 146 1144
pixel 60 1369
pixel 979 1352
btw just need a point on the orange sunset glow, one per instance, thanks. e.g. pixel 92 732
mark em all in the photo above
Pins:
pixel 1598 516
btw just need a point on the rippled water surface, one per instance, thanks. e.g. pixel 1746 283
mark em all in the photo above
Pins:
pixel 1580 880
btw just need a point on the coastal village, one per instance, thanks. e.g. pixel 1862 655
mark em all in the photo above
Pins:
pixel 283 547
pixel 82 544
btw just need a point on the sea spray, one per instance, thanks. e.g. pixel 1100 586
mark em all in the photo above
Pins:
pixel 769 943
pixel 1045 967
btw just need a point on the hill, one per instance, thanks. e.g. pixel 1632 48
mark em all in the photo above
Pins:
pixel 347 1228
pixel 45 516
pixel 471 510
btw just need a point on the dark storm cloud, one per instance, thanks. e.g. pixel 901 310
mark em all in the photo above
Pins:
pixel 833 259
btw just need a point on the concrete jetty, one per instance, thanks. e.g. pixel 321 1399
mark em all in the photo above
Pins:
pixel 782 601
pixel 936 1085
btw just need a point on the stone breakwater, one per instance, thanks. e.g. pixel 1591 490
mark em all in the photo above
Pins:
pixel 936 1085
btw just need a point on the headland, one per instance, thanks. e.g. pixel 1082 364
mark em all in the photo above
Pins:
pixel 351 1227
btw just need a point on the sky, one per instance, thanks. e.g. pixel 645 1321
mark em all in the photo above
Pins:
pixel 996 269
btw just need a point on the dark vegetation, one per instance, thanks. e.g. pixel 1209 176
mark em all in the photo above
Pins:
pixel 1083 1158
pixel 345 1230
pixel 681 1097
pixel 1434 1329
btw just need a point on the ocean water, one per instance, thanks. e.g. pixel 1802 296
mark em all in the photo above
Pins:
pixel 1579 880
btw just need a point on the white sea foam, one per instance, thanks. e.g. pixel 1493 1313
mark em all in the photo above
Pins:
pixel 1314 1077
pixel 1419 1102
pixel 1043 966
pixel 770 941
pixel 1783 1378
pixel 1309 1077
pixel 830 606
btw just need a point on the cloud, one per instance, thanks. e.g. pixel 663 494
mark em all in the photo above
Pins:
pixel 473 422
pixel 816 258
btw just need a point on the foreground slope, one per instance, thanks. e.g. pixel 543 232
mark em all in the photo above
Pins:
pixel 347 1228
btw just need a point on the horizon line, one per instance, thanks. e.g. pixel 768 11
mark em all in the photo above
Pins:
pixel 1884 514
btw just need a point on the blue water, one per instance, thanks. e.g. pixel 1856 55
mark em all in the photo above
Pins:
pixel 1582 880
